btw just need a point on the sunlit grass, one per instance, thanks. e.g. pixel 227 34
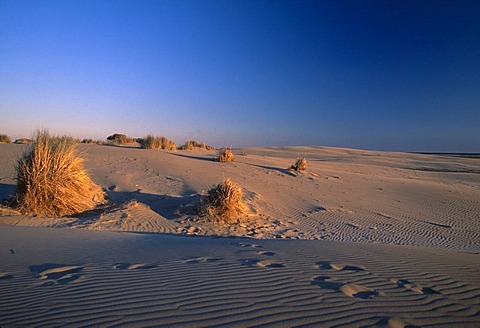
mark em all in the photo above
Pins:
pixel 51 179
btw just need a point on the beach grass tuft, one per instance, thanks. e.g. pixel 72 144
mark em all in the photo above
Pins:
pixel 299 165
pixel 5 139
pixel 51 179
pixel 152 142
pixel 194 144
pixel 224 202
pixel 225 155
pixel 120 139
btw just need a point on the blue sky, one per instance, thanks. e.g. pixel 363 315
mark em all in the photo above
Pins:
pixel 389 75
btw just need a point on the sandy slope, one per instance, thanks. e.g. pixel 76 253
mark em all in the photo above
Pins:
pixel 351 207
pixel 345 195
pixel 71 278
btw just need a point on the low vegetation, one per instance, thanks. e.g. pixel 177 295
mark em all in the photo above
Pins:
pixel 23 141
pixel 224 202
pixel 152 142
pixel 92 141
pixel 5 139
pixel 225 155
pixel 51 179
pixel 194 144
pixel 119 139
pixel 88 141
pixel 299 165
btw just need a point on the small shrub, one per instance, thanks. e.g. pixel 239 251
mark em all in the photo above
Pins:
pixel 151 142
pixel 193 144
pixel 225 155
pixel 5 139
pixel 23 141
pixel 88 141
pixel 119 139
pixel 190 145
pixel 51 179
pixel 224 202
pixel 299 165
pixel 205 146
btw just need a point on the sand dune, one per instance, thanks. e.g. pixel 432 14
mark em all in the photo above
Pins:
pixel 367 239
pixel 345 195
pixel 92 278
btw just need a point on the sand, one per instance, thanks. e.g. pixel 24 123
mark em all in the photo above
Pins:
pixel 362 238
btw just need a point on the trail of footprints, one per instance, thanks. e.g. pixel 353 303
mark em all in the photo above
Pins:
pixel 54 274
pixel 349 289
pixel 333 277
pixel 261 263
pixel 359 291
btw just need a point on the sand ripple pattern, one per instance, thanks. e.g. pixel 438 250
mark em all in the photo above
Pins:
pixel 196 282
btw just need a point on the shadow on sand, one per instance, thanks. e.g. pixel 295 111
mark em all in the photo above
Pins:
pixel 7 192
pixel 208 159
pixel 277 169
pixel 170 207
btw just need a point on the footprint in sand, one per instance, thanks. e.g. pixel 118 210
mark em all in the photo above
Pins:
pixel 351 290
pixel 262 263
pixel 136 266
pixel 265 253
pixel 413 287
pixel 323 265
pixel 52 274
pixel 250 245
pixel 5 276
pixel 201 260
pixel 391 322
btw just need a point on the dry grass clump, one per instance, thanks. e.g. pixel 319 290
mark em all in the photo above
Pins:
pixel 5 139
pixel 92 141
pixel 51 179
pixel 189 145
pixel 225 155
pixel 152 142
pixel 224 202
pixel 23 141
pixel 299 165
pixel 88 141
pixel 120 139
pixel 193 144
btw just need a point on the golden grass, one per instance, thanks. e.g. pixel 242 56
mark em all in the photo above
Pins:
pixel 224 202
pixel 120 139
pixel 5 139
pixel 193 144
pixel 225 155
pixel 299 165
pixel 152 142
pixel 23 141
pixel 51 179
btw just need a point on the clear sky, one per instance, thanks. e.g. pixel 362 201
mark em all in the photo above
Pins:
pixel 390 75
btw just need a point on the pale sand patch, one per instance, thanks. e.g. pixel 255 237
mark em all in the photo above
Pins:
pixel 65 277
pixel 350 207
pixel 345 195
